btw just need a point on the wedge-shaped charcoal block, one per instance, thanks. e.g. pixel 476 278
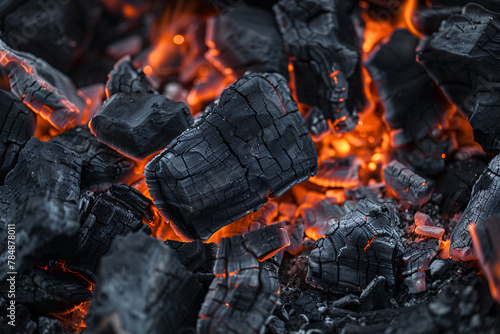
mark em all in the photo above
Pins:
pixel 125 78
pixel 252 145
pixel 41 87
pixel 484 203
pixel 17 126
pixel 245 291
pixel 198 257
pixel 360 246
pixel 405 89
pixel 119 211
pixel 40 199
pixel 321 41
pixel 462 57
pixel 416 257
pixel 140 124
pixel 143 288
pixel 485 120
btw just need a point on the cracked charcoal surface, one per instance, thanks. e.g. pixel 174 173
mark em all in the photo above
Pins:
pixel 360 246
pixel 139 124
pixel 462 57
pixel 144 289
pixel 317 123
pixel 338 172
pixel 44 89
pixel 245 291
pixel 320 37
pixel 252 145
pixel 416 257
pixel 17 126
pixel 246 38
pixel 119 211
pixel 40 197
pixel 483 204
pixel 125 78
pixel 485 119
pixel 406 91
pixel 101 165
pixel 411 188
pixel 265 242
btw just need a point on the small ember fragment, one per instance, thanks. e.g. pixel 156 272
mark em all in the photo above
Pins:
pixel 422 219
pixel 430 231
pixel 125 78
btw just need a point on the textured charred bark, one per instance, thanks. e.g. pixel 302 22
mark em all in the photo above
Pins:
pixel 322 45
pixel 482 205
pixel 252 145
pixel 40 197
pixel 197 257
pixel 17 126
pixel 125 78
pixel 143 288
pixel 360 246
pixel 417 257
pixel 245 290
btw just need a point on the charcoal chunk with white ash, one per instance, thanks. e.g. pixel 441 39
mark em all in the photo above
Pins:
pixel 143 288
pixel 360 246
pixel 17 126
pixel 40 198
pixel 125 78
pixel 482 205
pixel 417 257
pixel 252 145
pixel 140 124
pixel 101 165
pixel 246 289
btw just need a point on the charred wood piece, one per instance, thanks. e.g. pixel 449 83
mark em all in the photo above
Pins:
pixel 139 124
pixel 428 20
pixel 41 87
pixel 101 165
pixel 246 38
pixel 417 257
pixel 430 231
pixel 317 123
pixel 322 45
pixel 197 257
pixel 338 172
pixel 17 126
pixel 412 189
pixel 360 246
pixel 229 163
pixel 407 92
pixel 40 198
pixel 482 205
pixel 245 290
pixel 125 78
pixel 143 288
pixel 485 119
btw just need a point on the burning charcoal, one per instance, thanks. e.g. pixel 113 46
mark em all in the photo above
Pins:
pixel 228 163
pixel 138 125
pixel 407 92
pixel 101 165
pixel 349 302
pixel 374 297
pixel 485 236
pixel 461 56
pixel 41 87
pixel 360 246
pixel 322 44
pixel 40 200
pixel 338 172
pixel 317 123
pixel 125 78
pixel 196 256
pixel 244 39
pixel 430 231
pixel 416 258
pixel 17 126
pixel 456 184
pixel 143 288
pixel 119 211
pixel 245 291
pixel 485 120
pixel 46 292
pixel 49 326
pixel 411 188
pixel 482 205
pixel 296 235
pixel 422 219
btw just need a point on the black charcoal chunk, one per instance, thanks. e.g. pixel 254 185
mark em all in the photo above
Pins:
pixel 49 326
pixel 119 211
pixel 40 200
pixel 265 242
pixel 143 288
pixel 405 89
pixel 252 145
pixel 416 258
pixel 101 165
pixel 428 20
pixel 41 87
pixel 482 205
pixel 486 119
pixel 360 246
pixel 462 57
pixel 245 291
pixel 125 78
pixel 374 296
pixel 317 123
pixel 246 38
pixel 319 217
pixel 321 42
pixel 412 189
pixel 22 320
pixel 139 124
pixel 17 126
